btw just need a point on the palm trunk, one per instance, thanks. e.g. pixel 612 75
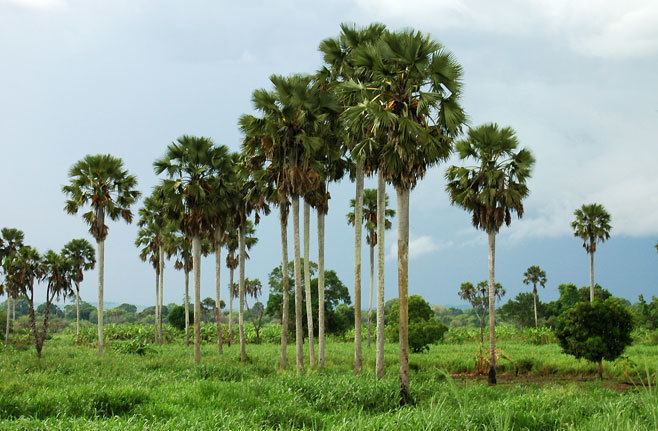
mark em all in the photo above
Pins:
pixel 196 264
pixel 77 313
pixel 492 308
pixel 381 226
pixel 321 323
pixel 283 359
pixel 241 245
pixel 358 222
pixel 218 310
pixel 307 285
pixel 101 281
pixel 591 277
pixel 156 311
pixel 187 308
pixel 299 327
pixel 372 292
pixel 33 325
pixel 13 310
pixel 534 303
pixel 403 291
pixel 9 301
pixel 161 294
pixel 231 273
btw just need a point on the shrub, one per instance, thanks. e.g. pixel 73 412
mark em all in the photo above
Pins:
pixel 176 316
pixel 425 332
pixel 595 331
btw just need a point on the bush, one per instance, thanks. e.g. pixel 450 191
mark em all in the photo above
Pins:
pixel 425 332
pixel 595 331
pixel 176 316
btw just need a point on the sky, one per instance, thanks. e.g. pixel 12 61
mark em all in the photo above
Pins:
pixel 575 78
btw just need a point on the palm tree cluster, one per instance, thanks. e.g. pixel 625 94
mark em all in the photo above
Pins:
pixel 24 268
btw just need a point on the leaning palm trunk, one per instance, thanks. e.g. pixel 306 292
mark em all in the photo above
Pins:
pixel 358 217
pixel 403 291
pixel 218 311
pixel 160 295
pixel 381 226
pixel 187 308
pixel 101 281
pixel 299 326
pixel 307 285
pixel 534 303
pixel 9 301
pixel 283 359
pixel 372 292
pixel 77 313
pixel 492 308
pixel 231 273
pixel 591 277
pixel 321 288
pixel 196 264
pixel 241 245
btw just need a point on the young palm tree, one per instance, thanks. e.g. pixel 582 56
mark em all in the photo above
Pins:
pixel 411 104
pixel 535 276
pixel 80 254
pixel 11 240
pixel 592 225
pixel 101 183
pixel 491 191
pixel 192 165
pixel 149 251
pixel 182 249
pixel 370 222
pixel 478 297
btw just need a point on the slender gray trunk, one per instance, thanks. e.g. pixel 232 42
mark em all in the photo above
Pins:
pixel 161 294
pixel 241 245
pixel 196 265
pixel 307 285
pixel 77 313
pixel 299 326
pixel 218 308
pixel 534 303
pixel 9 301
pixel 156 310
pixel 100 258
pixel 381 251
pixel 372 292
pixel 492 308
pixel 358 223
pixel 591 277
pixel 321 323
pixel 231 293
pixel 403 291
pixel 187 308
pixel 283 359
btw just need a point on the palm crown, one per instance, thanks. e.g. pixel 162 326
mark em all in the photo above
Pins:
pixel 81 256
pixel 496 186
pixel 592 225
pixel 101 182
pixel 535 276
pixel 370 215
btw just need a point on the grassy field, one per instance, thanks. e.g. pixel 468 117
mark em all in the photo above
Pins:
pixel 71 388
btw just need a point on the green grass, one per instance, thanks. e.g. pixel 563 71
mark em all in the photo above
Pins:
pixel 71 388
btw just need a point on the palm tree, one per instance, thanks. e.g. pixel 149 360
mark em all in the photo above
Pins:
pixel 57 271
pixel 491 191
pixel 411 105
pixel 80 254
pixel 192 165
pixel 370 222
pixel 592 225
pixel 535 276
pixel 11 240
pixel 101 183
pixel 478 297
pixel 182 249
pixel 340 57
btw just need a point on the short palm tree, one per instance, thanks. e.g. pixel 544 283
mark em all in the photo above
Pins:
pixel 478 297
pixel 370 221
pixel 182 250
pixel 592 225
pixel 192 165
pixel 535 276
pixel 80 254
pixel 101 184
pixel 411 104
pixel 56 272
pixel 491 191
pixel 11 240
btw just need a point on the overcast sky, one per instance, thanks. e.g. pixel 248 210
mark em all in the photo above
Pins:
pixel 576 79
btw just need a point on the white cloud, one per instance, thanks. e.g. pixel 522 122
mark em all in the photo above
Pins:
pixel 418 246
pixel 597 28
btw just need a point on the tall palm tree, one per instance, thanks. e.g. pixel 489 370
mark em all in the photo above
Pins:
pixel 341 66
pixel 370 222
pixel 491 191
pixel 192 165
pixel 80 254
pixel 11 240
pixel 535 276
pixel 411 105
pixel 101 184
pixel 592 225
